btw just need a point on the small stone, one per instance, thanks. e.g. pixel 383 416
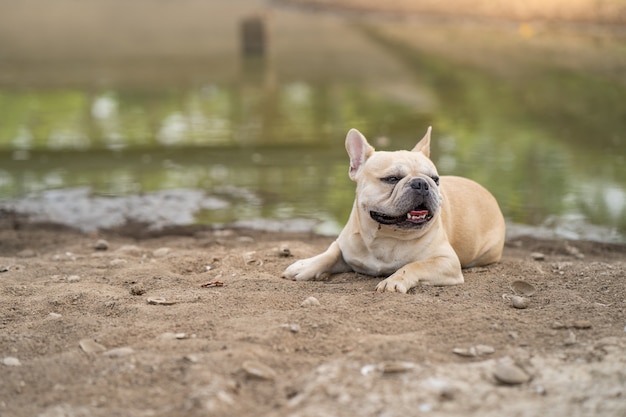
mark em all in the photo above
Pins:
pixel 284 251
pixel 130 250
pixel 11 361
pixel 118 261
pixel 293 327
pixel 250 258
pixel 101 244
pixel 161 252
pixel 519 302
pixel 537 256
pixel 159 301
pixel 119 352
pixel 557 325
pixel 574 251
pixel 73 278
pixel 4 268
pixel 137 289
pixel 582 324
pixel 396 367
pixel 91 346
pixel 258 370
pixel 311 301
pixel 510 374
pixel 467 353
pixel 54 315
pixel 482 350
pixel 522 288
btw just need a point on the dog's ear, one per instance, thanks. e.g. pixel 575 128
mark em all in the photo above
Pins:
pixel 423 145
pixel 359 150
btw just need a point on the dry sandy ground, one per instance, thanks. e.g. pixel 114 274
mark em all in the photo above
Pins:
pixel 251 348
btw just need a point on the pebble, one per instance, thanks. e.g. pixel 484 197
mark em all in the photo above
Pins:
pixel 73 278
pixel 119 352
pixel 101 244
pixel 522 288
pixel 11 361
pixel 91 346
pixel 258 370
pixel 293 327
pixel 130 250
pixel 250 258
pixel 508 373
pixel 4 268
pixel 396 367
pixel 478 350
pixel 571 339
pixel 537 256
pixel 159 301
pixel 54 315
pixel 161 252
pixel 519 302
pixel 137 289
pixel 284 251
pixel 173 336
pixel 582 324
pixel 311 301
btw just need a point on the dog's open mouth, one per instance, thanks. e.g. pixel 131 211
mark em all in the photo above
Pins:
pixel 419 216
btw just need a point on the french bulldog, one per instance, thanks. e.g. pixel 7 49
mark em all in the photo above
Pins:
pixel 408 223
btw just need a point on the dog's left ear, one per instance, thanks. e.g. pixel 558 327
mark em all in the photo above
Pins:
pixel 423 145
pixel 359 150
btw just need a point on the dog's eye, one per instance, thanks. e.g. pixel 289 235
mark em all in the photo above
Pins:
pixel 436 179
pixel 391 179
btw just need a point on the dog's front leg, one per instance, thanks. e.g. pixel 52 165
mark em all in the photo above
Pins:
pixel 328 262
pixel 442 270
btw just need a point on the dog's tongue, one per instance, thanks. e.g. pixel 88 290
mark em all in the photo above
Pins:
pixel 417 216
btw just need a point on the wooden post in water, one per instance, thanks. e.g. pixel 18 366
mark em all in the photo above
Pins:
pixel 253 36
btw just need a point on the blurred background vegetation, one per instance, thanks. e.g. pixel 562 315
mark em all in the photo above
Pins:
pixel 129 98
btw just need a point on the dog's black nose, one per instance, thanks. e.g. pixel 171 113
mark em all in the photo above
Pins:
pixel 420 185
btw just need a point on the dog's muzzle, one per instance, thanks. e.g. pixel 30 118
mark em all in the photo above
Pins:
pixel 419 199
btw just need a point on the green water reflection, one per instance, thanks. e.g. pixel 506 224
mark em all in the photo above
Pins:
pixel 550 146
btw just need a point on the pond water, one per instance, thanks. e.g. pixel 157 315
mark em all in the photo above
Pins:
pixel 215 137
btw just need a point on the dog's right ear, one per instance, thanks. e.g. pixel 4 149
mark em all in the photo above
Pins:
pixel 359 150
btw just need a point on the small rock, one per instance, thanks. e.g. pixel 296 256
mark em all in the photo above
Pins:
pixel 4 268
pixel 54 315
pixel 159 301
pixel 467 353
pixel 582 324
pixel 510 374
pixel 574 251
pixel 519 302
pixel 250 258
pixel 396 367
pixel 119 352
pixel 101 244
pixel 161 252
pixel 118 261
pixel 537 256
pixel 482 350
pixel 137 289
pixel 293 327
pixel 522 288
pixel 73 278
pixel 91 346
pixel 11 361
pixel 557 325
pixel 311 301
pixel 130 250
pixel 258 370
pixel 284 251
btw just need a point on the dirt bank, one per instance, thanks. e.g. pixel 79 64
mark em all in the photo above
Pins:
pixel 79 336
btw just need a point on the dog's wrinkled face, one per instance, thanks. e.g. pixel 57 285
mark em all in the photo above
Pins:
pixel 399 189
pixel 395 189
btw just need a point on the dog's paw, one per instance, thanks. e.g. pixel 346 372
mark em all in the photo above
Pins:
pixel 392 284
pixel 302 270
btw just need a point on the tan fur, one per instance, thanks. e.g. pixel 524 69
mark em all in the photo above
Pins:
pixel 466 227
